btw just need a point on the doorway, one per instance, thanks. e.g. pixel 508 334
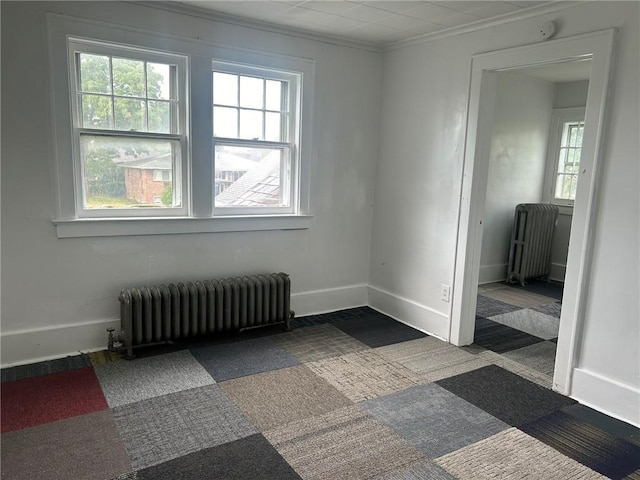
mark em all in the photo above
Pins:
pixel 484 87
pixel 535 149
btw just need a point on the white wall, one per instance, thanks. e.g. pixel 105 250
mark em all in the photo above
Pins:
pixel 59 295
pixel 424 102
pixel 568 95
pixel 522 113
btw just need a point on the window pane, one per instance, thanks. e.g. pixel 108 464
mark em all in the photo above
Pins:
pixel 159 116
pixel 130 114
pixel 251 124
pixel 225 89
pixel 250 177
pixel 273 130
pixel 96 111
pixel 251 92
pixel 95 74
pixel 274 95
pixel 225 122
pixel 128 77
pixel 119 172
pixel 158 81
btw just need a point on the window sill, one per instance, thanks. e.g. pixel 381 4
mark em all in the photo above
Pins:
pixel 114 227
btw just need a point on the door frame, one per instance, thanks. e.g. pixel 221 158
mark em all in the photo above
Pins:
pixel 598 47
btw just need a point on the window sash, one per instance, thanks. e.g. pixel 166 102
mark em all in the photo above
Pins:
pixel 178 125
pixel 289 168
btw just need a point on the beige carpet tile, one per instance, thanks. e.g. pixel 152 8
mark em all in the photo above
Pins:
pixel 491 286
pixel 281 396
pixel 519 297
pixel 365 375
pixel 318 342
pixel 404 351
pixel 540 357
pixel 457 369
pixel 524 371
pixel 512 454
pixel 431 356
pixel 105 356
pixel 343 444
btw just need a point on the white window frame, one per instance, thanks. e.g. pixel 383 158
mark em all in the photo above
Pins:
pixel 289 166
pixel 197 169
pixel 78 45
pixel 559 117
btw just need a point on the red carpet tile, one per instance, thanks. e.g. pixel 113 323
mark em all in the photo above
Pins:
pixel 37 400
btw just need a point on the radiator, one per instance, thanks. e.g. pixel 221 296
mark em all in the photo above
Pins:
pixel 162 313
pixel 531 240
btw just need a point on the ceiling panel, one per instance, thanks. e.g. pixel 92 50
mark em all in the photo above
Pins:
pixel 377 23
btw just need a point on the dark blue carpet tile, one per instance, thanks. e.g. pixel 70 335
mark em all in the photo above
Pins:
pixel 505 395
pixel 488 307
pixel 612 426
pixel 610 456
pixel 258 355
pixel 501 338
pixel 332 317
pixel 542 287
pixel 249 458
pixel 44 368
pixel 377 330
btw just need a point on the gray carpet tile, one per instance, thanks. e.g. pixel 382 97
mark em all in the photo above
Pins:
pixel 166 427
pixel 248 458
pixel 518 297
pixel 44 368
pixel 482 322
pixel 505 395
pixel 553 309
pixel 343 444
pixel 614 457
pixel 530 321
pixel 332 317
pixel 535 376
pixel 425 470
pixel 488 307
pixel 377 329
pixel 485 287
pixel 282 396
pixel 540 356
pixel 239 359
pixel 127 381
pixel 318 342
pixel 513 455
pixel 434 420
pixel 85 447
pixel 364 375
pixel 501 338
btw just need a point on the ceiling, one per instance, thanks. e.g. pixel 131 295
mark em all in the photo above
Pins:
pixel 378 23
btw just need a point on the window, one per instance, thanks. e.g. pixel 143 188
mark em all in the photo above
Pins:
pixel 129 129
pixel 565 148
pixel 206 138
pixel 255 135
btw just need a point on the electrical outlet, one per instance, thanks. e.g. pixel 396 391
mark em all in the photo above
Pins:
pixel 445 292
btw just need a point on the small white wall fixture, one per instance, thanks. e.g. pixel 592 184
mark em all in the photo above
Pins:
pixel 598 47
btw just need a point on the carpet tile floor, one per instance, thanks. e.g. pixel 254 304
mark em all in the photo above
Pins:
pixel 346 395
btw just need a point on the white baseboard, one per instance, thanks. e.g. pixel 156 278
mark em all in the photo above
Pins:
pixel 409 312
pixel 37 345
pixel 40 344
pixel 329 300
pixel 558 272
pixel 493 273
pixel 607 396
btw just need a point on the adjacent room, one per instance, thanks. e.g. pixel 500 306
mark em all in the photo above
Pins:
pixel 301 219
